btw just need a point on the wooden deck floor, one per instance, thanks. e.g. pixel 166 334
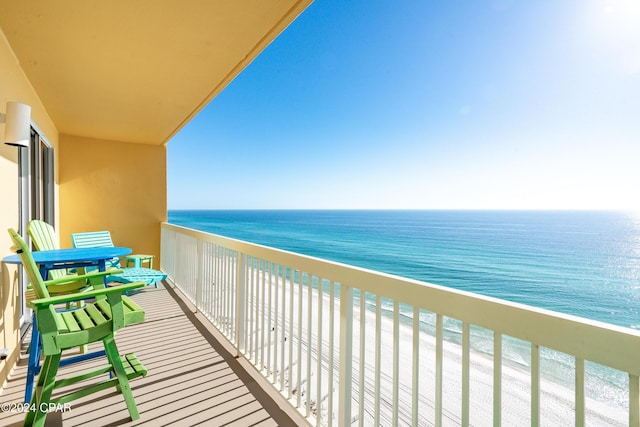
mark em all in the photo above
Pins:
pixel 193 378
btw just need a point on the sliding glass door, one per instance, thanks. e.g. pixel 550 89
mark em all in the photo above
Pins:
pixel 36 189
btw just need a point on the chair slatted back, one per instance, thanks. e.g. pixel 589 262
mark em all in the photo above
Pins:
pixel 92 239
pixel 44 238
pixel 43 235
pixel 95 239
pixel 31 268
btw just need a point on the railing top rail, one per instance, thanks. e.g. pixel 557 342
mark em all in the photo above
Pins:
pixel 603 343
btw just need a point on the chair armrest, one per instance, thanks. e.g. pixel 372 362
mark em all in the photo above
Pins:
pixel 92 275
pixel 44 302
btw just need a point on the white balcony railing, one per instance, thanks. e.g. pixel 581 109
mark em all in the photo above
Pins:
pixel 393 351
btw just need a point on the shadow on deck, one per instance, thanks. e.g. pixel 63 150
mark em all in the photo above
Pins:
pixel 193 377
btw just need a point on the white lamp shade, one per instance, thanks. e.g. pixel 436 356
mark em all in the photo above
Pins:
pixel 17 129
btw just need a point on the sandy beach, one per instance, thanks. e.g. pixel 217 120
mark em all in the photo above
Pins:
pixel 272 349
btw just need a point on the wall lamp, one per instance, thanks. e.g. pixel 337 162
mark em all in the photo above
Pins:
pixel 17 130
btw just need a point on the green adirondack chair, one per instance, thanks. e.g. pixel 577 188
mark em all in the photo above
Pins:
pixel 44 237
pixel 90 323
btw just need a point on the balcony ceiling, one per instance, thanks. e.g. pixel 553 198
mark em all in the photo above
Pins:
pixel 137 71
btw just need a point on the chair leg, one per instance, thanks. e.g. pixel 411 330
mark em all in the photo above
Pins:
pixel 43 391
pixel 123 382
pixel 33 365
pixel 34 361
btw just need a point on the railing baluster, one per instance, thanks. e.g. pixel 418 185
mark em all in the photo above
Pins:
pixel 227 282
pixel 415 369
pixel 283 279
pixel 396 363
pixel 346 359
pixel 376 398
pixel 248 297
pixel 201 277
pixel 634 401
pixel 319 356
pixel 535 385
pixel 255 277
pixel 223 291
pixel 274 327
pixel 211 280
pixel 204 278
pixel 362 361
pixel 580 416
pixel 497 379
pixel 206 287
pixel 250 300
pixel 439 348
pixel 221 288
pixel 231 272
pixel 216 284
pixel 199 273
pixel 466 362
pixel 241 303
pixel 234 260
pixel 255 308
pixel 331 351
pixel 268 307
pixel 292 284
pixel 309 344
pixel 299 337
pixel 263 365
pixel 225 272
pixel 218 288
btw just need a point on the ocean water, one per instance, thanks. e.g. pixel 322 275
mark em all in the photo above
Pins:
pixel 585 263
pixel 575 262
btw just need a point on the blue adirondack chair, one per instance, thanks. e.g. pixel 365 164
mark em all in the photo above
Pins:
pixel 130 274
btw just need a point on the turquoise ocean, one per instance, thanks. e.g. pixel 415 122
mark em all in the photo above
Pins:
pixel 584 263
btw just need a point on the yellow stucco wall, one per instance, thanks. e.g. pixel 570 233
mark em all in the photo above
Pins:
pixel 115 186
pixel 14 86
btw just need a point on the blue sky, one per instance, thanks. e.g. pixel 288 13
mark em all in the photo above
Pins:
pixel 426 105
